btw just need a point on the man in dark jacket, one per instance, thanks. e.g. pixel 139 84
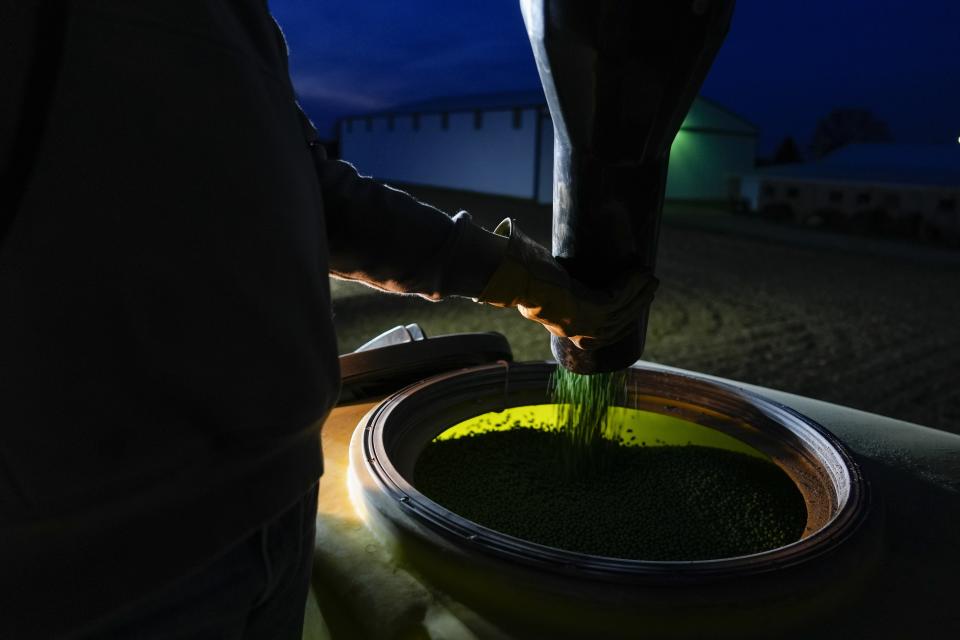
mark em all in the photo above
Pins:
pixel 166 348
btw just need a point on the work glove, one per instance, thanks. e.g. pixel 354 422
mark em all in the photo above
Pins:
pixel 530 279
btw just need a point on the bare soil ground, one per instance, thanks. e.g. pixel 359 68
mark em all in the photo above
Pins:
pixel 871 331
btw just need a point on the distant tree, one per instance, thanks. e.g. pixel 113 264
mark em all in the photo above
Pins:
pixel 845 126
pixel 787 152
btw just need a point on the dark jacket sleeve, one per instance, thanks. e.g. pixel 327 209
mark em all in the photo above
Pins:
pixel 388 239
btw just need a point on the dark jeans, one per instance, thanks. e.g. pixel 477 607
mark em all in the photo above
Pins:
pixel 257 589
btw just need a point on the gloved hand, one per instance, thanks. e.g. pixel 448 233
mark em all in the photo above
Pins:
pixel 530 279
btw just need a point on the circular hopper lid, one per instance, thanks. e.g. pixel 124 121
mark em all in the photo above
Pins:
pixel 404 355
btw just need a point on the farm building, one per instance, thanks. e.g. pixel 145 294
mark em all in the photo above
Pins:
pixel 503 144
pixel 906 188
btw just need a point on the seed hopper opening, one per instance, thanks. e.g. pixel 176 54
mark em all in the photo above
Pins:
pixel 697 480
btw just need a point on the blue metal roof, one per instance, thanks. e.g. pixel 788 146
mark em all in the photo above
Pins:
pixel 483 102
pixel 891 154
pixel 880 163
pixel 712 114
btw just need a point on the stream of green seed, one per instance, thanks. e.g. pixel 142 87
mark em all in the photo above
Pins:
pixel 583 403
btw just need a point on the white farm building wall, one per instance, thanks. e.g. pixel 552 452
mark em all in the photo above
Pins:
pixel 494 158
pixel 505 147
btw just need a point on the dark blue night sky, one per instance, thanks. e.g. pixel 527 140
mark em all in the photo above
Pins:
pixel 783 65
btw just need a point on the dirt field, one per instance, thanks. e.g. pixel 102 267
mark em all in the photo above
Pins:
pixel 874 332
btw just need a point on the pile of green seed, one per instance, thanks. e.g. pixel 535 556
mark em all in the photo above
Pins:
pixel 649 503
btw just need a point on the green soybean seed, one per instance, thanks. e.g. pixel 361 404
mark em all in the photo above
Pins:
pixel 650 503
